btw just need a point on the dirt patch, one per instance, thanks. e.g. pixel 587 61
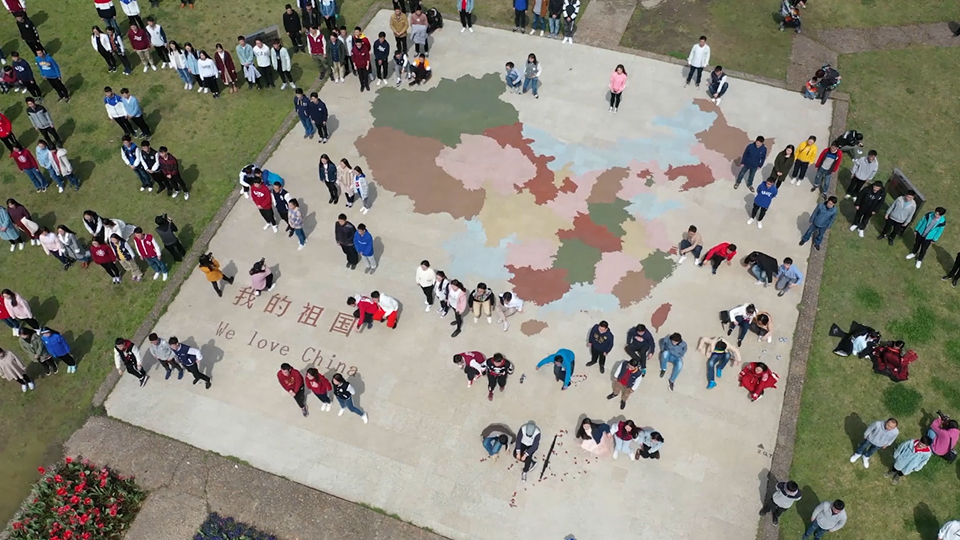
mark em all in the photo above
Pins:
pixel 667 26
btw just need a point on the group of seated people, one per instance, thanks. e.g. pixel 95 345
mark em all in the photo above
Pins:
pixel 755 376
pixel 890 358
pixel 745 318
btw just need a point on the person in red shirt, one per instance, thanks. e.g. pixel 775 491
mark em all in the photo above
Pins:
pixel 473 364
pixel 263 200
pixel 717 254
pixel 170 169
pixel 757 377
pixel 140 40
pixel 361 58
pixel 366 310
pixel 6 133
pixel 28 164
pixel 292 381
pixel 104 256
pixel 320 386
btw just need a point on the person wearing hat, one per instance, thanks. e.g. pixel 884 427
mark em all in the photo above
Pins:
pixel 528 442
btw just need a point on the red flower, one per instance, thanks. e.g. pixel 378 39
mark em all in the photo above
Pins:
pixel 67 535
pixel 88 500
pixel 69 460
pixel 54 538
pixel 99 524
pixel 85 536
pixel 41 470
pixel 74 499
pixel 62 491
pixel 113 510
pixel 57 478
pixel 17 525
pixel 84 519
pixel 96 511
pixel 103 482
pixel 79 487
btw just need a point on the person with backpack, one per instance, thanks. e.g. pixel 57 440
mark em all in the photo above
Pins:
pixel 829 80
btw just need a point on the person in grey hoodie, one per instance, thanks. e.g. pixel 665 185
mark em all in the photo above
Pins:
pixel 164 354
pixel 40 118
pixel 821 219
pixel 879 434
pixel 863 171
pixel 827 517
pixel 898 216
pixel 528 442
pixel 782 499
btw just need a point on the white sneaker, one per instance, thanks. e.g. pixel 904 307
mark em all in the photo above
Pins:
pixel 470 29
pixel 365 418
pixel 175 193
pixel 300 247
pixel 30 385
pixel 717 101
pixel 378 82
pixel 186 195
pixel 165 276
pixel 681 259
pixel 156 275
pixel 866 462
pixel 918 264
pixel 364 210
pixel 201 89
pixel 476 319
pixel 206 90
pixel 532 31
pixel 23 388
pixel 541 33
pixel 186 86
pixel 150 189
pixel 398 81
pixel 758 282
pixel 153 67
pixel 631 456
pixel 769 339
pixel 15 332
pixel 853 227
pixel 427 308
pixel 283 86
pixel 143 188
pixel 615 454
pixel 61 189
pixel 610 109
pixel 506 326
pixel 341 411
pixel 759 224
pixel 750 221
pixel 146 69
pixel 847 196
pixel 266 226
pixel 489 320
pixel 274 229
pixel 341 80
pixel 860 234
pixel 462 30
pixel 13 247
pixel 910 256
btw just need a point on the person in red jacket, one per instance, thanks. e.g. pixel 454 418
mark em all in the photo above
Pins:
pixel 366 309
pixel 104 256
pixel 320 386
pixel 28 164
pixel 292 381
pixel 140 40
pixel 473 364
pixel 827 165
pixel 262 198
pixel 170 169
pixel 717 254
pixel 15 7
pixel 6 133
pixel 361 58
pixel 757 377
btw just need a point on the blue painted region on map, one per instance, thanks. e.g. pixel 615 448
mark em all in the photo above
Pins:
pixel 582 297
pixel 469 254
pixel 648 206
pixel 666 150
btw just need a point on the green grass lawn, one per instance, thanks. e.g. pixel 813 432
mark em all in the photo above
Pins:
pixel 869 281
pixel 212 139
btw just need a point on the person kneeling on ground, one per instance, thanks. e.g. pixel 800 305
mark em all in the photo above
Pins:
pixel 495 438
pixel 421 70
pixel 472 363
pixel 762 266
pixel 740 316
pixel 650 443
pixel 512 77
pixel 757 377
pixel 717 254
pixel 762 325
pixel 944 433
pixel 528 442
pixel 909 457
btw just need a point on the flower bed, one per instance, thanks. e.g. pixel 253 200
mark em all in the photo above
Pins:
pixel 78 501
pixel 217 527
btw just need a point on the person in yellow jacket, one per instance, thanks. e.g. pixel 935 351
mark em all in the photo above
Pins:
pixel 806 154
pixel 211 267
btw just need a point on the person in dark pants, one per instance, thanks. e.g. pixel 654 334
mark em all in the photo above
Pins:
pixel 528 442
pixel 126 357
pixel 754 156
pixel 640 345
pixel 898 216
pixel 328 175
pixel 189 358
pixel 719 253
pixel 320 386
pixel 211 268
pixel 498 369
pixel 867 203
pixel 150 162
pixel 928 231
pixel 28 32
pixel 954 273
pixel 821 219
pixel 290 379
pixel 563 363
pixel 317 111
pixel 6 133
pixel 116 50
pixel 170 168
pixel 741 317
pixel 164 354
pixel 783 497
pixel 343 232
pixel 600 342
pixel 381 58
pixel 40 118
pixel 25 74
pixel 134 113
pixel 473 364
pixel 294 28
pixel 50 71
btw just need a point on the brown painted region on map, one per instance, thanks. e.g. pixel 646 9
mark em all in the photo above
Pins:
pixel 722 137
pixel 660 316
pixel 532 327
pixel 539 286
pixel 407 165
pixel 697 176
pixel 542 185
pixel 633 287
pixel 591 234
pixel 608 185
pixel 568 186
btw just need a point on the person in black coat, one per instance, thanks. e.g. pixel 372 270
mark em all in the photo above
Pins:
pixel 762 266
pixel 28 32
pixel 867 203
pixel 317 110
pixel 293 28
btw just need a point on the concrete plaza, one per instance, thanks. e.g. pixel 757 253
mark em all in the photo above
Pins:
pixel 574 208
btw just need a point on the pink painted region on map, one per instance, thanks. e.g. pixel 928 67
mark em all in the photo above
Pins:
pixel 569 204
pixel 480 160
pixel 717 162
pixel 636 182
pixel 536 253
pixel 613 266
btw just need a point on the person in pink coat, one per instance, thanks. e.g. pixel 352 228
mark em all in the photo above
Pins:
pixel 618 82
pixel 18 308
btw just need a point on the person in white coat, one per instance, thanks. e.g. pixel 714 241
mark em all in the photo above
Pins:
pixel 117 227
pixel 280 62
pixel 426 279
pixel 261 58
pixel 949 531
pixel 207 69
pixel 132 10
pixel 698 59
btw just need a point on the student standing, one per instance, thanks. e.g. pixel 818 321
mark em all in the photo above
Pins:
pixel 473 364
pixel 626 380
pixel 328 175
pixel 400 26
pixel 280 62
pixel 345 178
pixel 718 84
pixel 344 392
pixel 126 357
pixel 563 363
pixel 19 309
pixel 928 231
pixel 554 9
pixel 58 348
pixel 498 369
pixel 822 219
pixel 32 345
pixel 481 301
pixel 116 110
pixel 363 242
pixel 25 74
pixel 317 45
pixel 57 167
pixel 426 279
pixel 6 132
pixel 719 253
pixel 301 105
pixel 132 10
pixel 867 203
pixel 418 30
pixel 41 120
pixel 211 268
pixel 125 256
pixel 328 10
pixel 317 111
pixel 788 276
pixel 950 529
pixel 381 56
pixel 782 165
pixel 12 369
pixel 170 169
pixel 570 10
pixel 130 155
pixel 879 435
pixel 9 232
pixel 465 7
pixel 261 55
pixel 140 40
pixel 782 499
pixel 281 197
pixel 166 230
pixel 361 60
pixel 806 154
pixel 520 16
pixel 28 32
pixel 116 50
pixel 320 386
pixel 618 83
pixel 103 255
pixel 189 357
pixel 898 216
pixel 246 58
pixel 28 165
pixel 827 164
pixel 528 442
pixel 293 27
pixel 295 222
pixel 510 304
pixel 457 299
pixel 207 70
pixel 291 380
pixel 178 61
pixel 698 59
pixel 164 354
pixel 360 188
pixel 51 246
pixel 761 202
pixel 531 73
pixel 600 343
pixel 863 171
pixel 148 249
pixel 132 105
pixel 228 72
pixel 754 156
pixel 344 232
pixel 540 15
pixel 441 291
pixel 335 54
pixel 672 351
pixel 107 13
pixel 192 61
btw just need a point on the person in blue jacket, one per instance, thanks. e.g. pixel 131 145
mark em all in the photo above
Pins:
pixel 58 348
pixel 822 219
pixel 269 178
pixel 520 16
pixel 562 361
pixel 928 231
pixel 50 71
pixel 25 74
pixel 319 114
pixel 301 104
pixel 363 242
pixel 761 202
pixel 754 156
pixel 600 342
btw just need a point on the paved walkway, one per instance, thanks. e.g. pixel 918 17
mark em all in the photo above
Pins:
pixel 604 22
pixel 186 484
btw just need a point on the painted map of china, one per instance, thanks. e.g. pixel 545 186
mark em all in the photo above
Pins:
pixel 571 226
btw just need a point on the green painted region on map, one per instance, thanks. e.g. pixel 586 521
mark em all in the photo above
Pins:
pixel 578 259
